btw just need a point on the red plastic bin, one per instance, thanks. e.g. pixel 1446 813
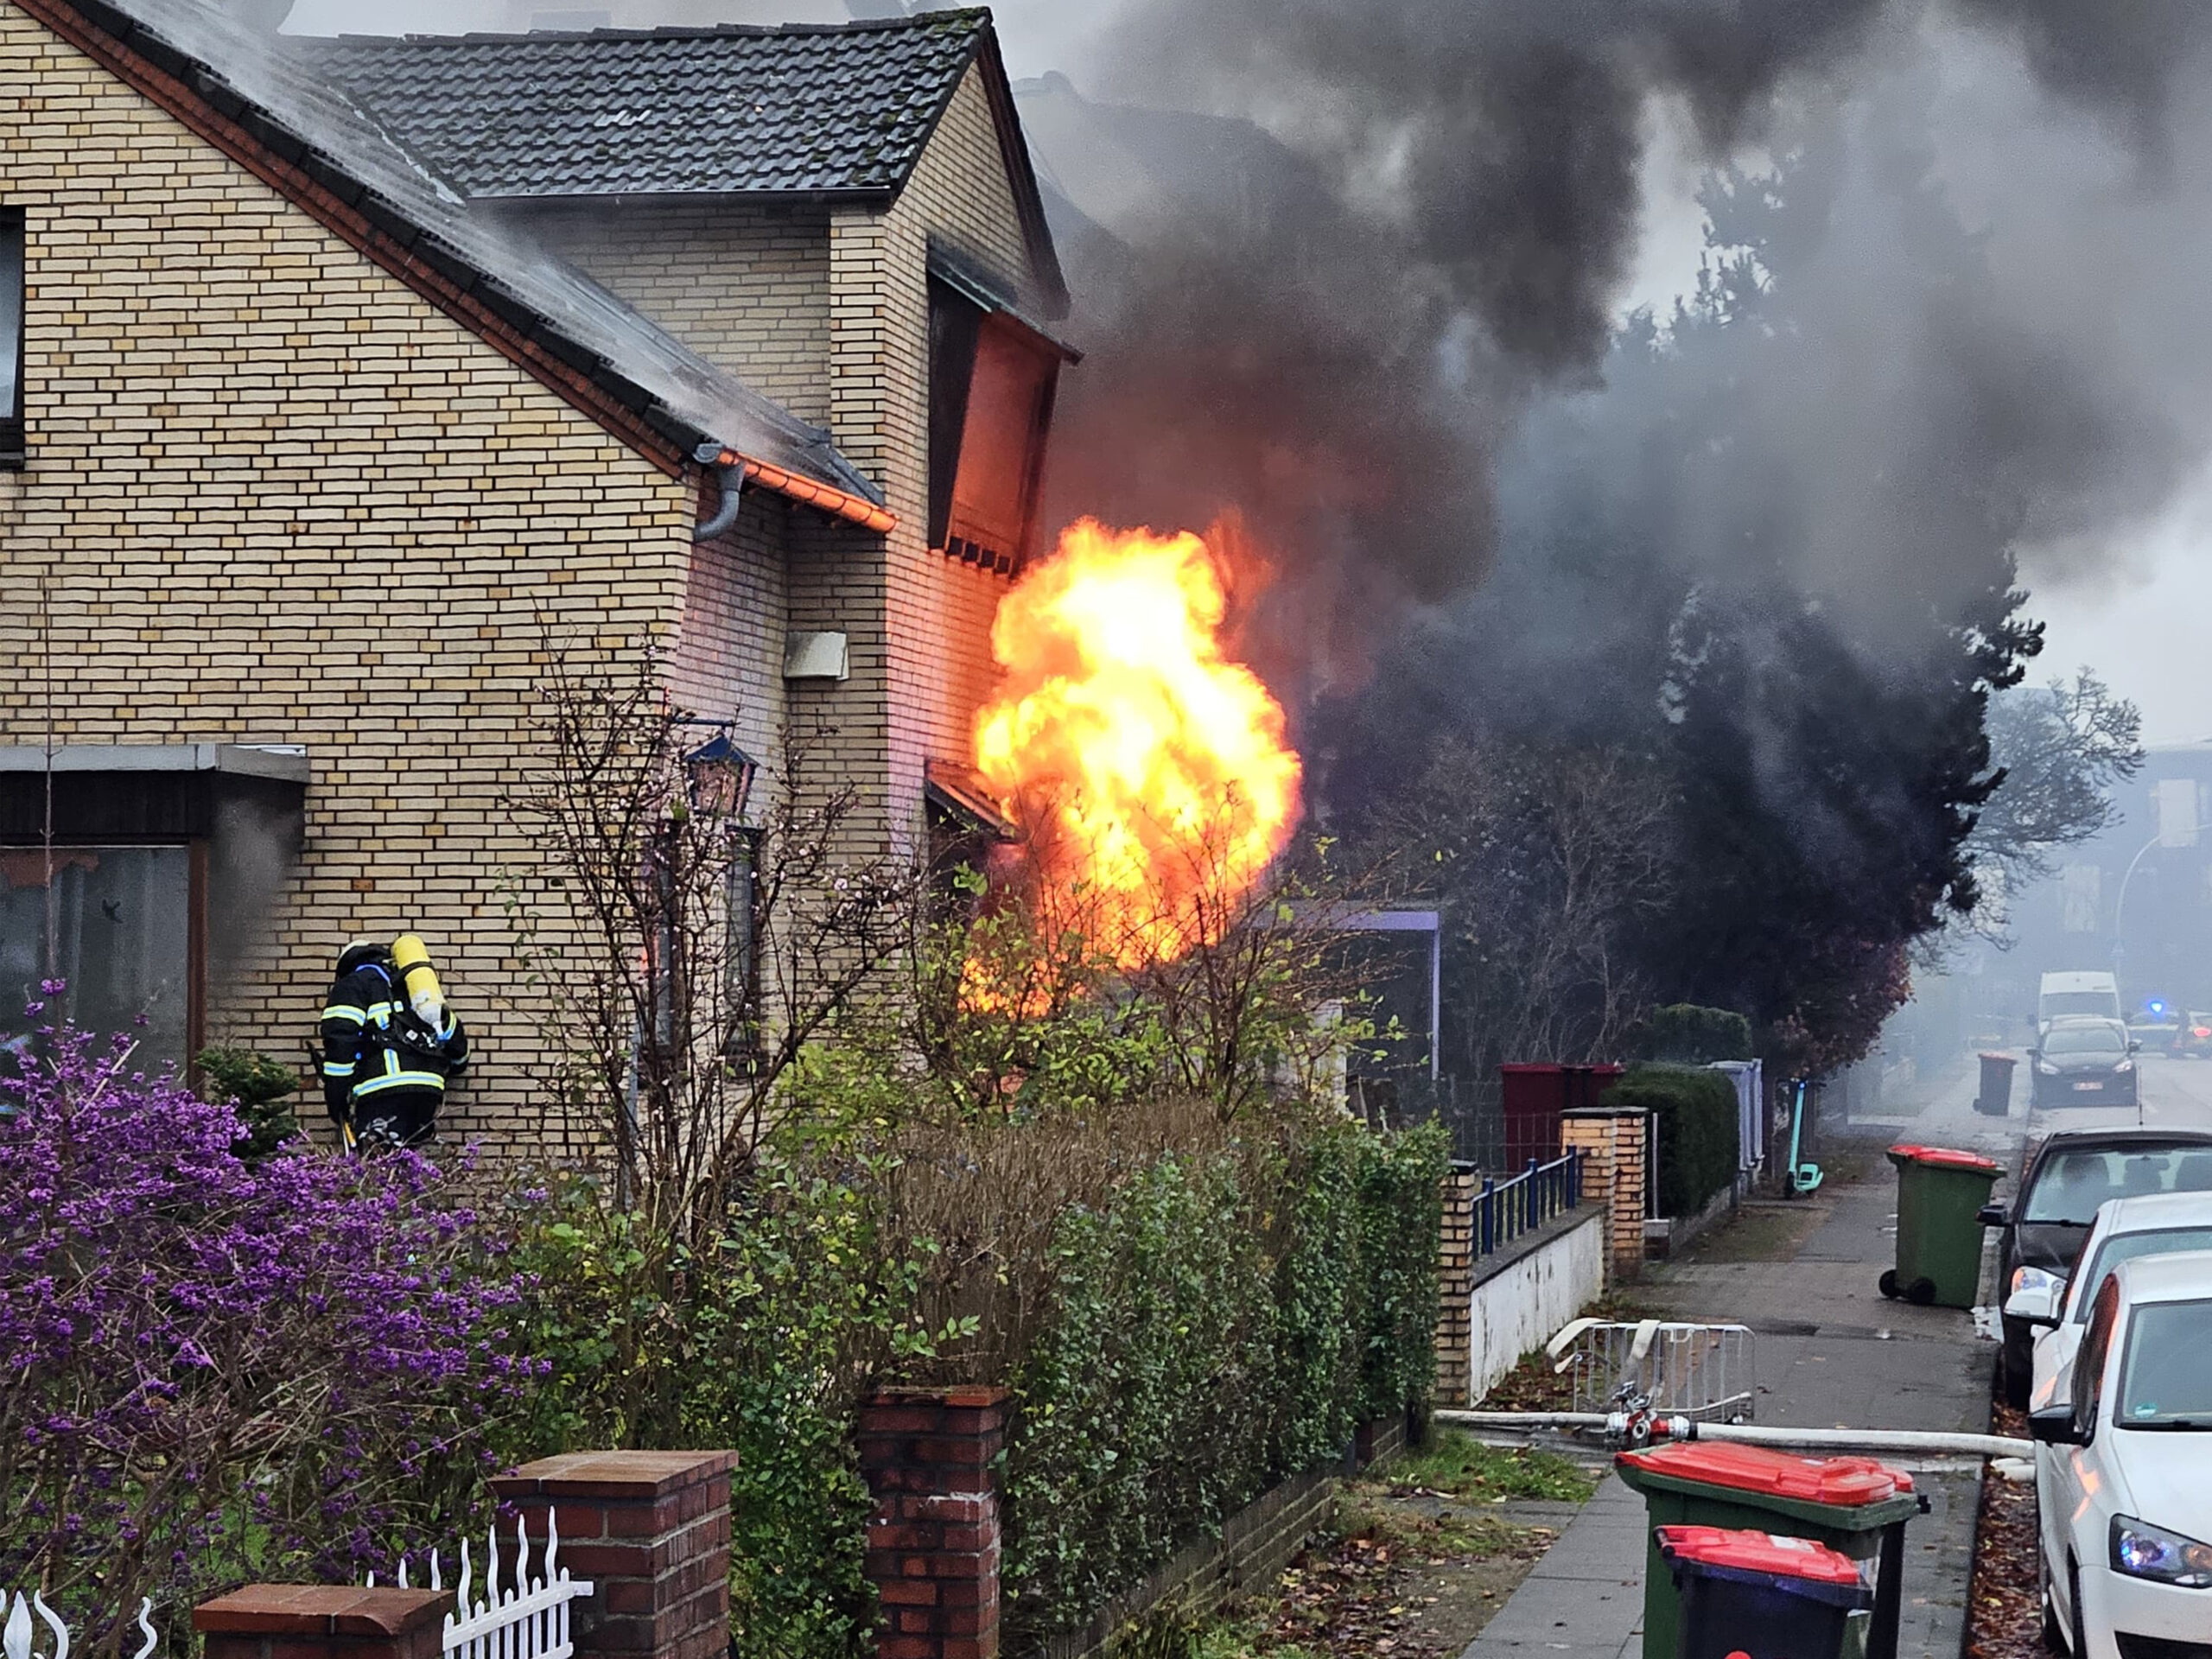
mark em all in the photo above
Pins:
pixel 1760 1596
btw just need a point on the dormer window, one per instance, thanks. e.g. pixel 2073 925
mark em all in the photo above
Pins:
pixel 992 377
pixel 11 337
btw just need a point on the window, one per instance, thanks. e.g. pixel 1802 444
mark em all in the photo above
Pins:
pixel 2166 1383
pixel 124 923
pixel 2090 1363
pixel 992 381
pixel 2071 1185
pixel 11 337
pixel 2125 1246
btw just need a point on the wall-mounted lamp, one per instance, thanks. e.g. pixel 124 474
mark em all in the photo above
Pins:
pixel 718 777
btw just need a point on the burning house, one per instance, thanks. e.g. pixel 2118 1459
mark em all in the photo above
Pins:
pixel 344 385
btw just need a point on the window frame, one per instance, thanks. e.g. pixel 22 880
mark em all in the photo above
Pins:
pixel 195 975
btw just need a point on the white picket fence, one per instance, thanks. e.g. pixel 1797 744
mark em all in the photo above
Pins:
pixel 528 1619
pixel 15 1635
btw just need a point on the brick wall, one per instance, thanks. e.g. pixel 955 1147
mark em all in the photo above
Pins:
pixel 934 639
pixel 1613 1144
pixel 274 497
pixel 745 285
pixel 728 660
pixel 1455 1282
pixel 931 1458
pixel 651 1529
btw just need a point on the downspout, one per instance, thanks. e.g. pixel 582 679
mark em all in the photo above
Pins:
pixel 711 454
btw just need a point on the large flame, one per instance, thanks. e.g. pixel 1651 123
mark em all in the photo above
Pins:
pixel 1151 774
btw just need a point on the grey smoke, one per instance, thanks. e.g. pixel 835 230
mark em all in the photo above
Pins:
pixel 1349 251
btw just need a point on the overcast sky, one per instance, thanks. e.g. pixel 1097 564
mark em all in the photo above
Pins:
pixel 2142 624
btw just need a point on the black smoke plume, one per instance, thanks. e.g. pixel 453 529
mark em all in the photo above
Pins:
pixel 1347 249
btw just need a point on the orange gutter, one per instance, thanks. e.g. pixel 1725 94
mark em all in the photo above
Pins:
pixel 851 508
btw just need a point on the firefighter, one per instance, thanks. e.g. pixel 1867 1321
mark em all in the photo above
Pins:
pixel 385 1065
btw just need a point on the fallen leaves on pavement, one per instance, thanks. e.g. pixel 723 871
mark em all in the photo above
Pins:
pixel 2003 1599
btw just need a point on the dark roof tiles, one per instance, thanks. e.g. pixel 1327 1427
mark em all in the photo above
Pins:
pixel 733 110
pixel 578 320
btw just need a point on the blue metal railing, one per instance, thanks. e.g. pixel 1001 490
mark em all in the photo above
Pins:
pixel 1505 1210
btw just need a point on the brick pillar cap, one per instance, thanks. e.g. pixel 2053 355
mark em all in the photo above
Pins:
pixel 966 1397
pixel 635 1475
pixel 325 1610
pixel 1606 1112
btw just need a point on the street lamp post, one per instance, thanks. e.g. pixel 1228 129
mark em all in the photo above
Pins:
pixel 2119 904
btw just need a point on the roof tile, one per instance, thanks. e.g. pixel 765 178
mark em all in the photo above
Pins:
pixel 837 109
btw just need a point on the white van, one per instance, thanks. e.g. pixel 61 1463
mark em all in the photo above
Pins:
pixel 2096 995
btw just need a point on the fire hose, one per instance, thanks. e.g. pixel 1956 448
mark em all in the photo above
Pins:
pixel 1617 1425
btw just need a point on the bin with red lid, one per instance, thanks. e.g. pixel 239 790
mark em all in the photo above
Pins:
pixel 1856 1506
pixel 1940 1191
pixel 1761 1595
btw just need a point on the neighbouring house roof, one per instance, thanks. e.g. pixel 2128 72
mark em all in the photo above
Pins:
pixel 813 111
pixel 309 139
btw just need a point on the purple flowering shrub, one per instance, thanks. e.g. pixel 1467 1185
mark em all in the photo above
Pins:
pixel 216 1372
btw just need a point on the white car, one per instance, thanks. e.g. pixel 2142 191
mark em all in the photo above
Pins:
pixel 2158 1224
pixel 2124 1469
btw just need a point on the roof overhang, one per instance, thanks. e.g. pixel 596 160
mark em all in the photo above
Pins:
pixel 150 792
pixel 283 763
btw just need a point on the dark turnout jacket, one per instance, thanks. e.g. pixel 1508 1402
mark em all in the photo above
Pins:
pixel 383 1070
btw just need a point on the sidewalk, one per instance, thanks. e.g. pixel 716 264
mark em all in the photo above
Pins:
pixel 1831 1352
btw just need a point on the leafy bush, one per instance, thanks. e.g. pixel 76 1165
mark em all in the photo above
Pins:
pixel 1683 1033
pixel 218 1372
pixel 1693 1115
pixel 1225 1322
pixel 761 1344
pixel 259 1086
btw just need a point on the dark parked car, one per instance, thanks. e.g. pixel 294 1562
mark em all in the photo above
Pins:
pixel 2083 1063
pixel 2073 1172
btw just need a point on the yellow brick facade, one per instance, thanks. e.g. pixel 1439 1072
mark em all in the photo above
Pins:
pixel 745 286
pixel 274 497
pixel 932 646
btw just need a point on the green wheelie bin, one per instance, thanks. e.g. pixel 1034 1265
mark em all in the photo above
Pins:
pixel 1940 1195
pixel 1855 1506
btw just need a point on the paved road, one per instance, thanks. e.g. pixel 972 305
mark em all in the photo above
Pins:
pixel 2175 1093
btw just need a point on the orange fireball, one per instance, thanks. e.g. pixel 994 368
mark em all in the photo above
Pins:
pixel 1152 773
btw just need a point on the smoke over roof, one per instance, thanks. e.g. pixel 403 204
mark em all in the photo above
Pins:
pixel 1349 257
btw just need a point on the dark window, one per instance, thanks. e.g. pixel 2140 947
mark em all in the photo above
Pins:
pixel 11 337
pixel 992 381
pixel 124 923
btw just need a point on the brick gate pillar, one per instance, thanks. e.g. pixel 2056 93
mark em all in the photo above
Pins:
pixel 1614 1143
pixel 1455 1285
pixel 651 1530
pixel 322 1621
pixel 929 1457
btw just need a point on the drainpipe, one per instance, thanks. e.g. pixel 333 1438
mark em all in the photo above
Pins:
pixel 709 454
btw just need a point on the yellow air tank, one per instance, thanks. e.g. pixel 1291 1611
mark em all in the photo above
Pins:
pixel 410 960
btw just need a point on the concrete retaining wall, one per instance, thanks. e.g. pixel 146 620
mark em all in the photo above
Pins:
pixel 1528 1290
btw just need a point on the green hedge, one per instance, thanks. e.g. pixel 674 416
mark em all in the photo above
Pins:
pixel 1224 1323
pixel 1693 1114
pixel 1683 1033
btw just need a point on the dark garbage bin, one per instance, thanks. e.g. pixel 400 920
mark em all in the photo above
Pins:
pixel 1762 1597
pixel 1855 1506
pixel 1534 1098
pixel 1995 1099
pixel 1940 1194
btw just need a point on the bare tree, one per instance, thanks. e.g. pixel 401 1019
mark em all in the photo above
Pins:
pixel 1546 865
pixel 707 916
